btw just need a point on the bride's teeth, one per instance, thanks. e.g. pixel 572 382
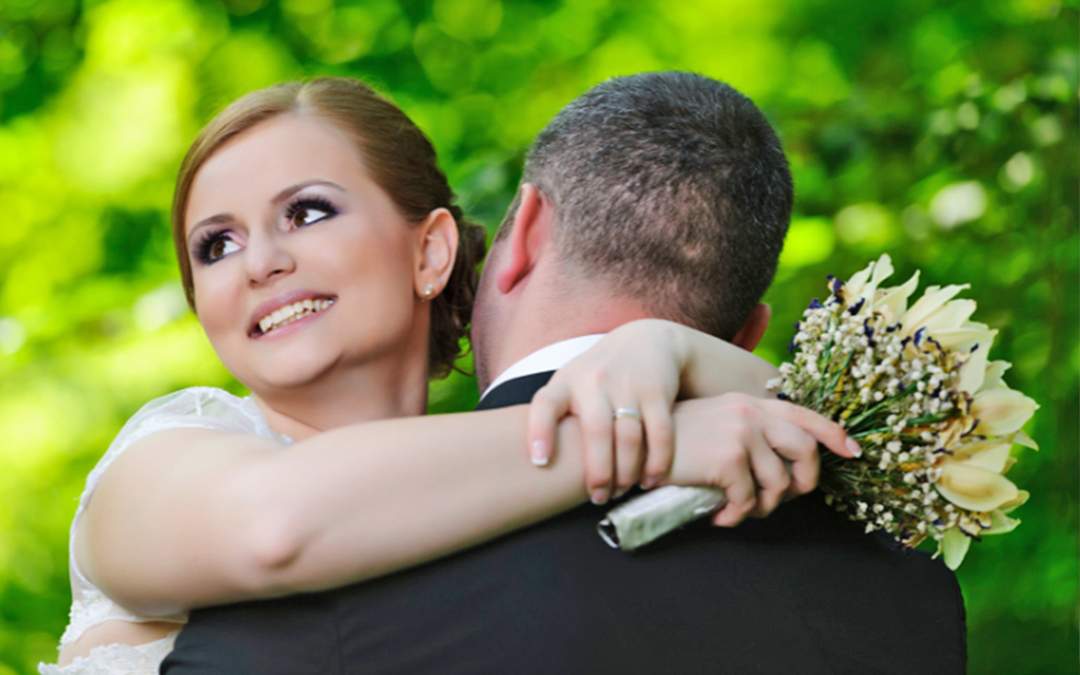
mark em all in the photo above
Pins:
pixel 286 315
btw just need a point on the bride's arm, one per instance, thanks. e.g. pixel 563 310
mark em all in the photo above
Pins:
pixel 189 518
pixel 193 517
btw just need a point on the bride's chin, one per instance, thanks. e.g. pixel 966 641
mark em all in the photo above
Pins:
pixel 290 376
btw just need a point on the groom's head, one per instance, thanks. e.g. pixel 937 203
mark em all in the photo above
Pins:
pixel 661 194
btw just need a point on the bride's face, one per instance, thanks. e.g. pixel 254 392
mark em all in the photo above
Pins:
pixel 301 264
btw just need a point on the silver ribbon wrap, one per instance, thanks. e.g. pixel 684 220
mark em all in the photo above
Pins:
pixel 650 516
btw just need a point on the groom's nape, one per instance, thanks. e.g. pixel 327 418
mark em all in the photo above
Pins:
pixel 661 194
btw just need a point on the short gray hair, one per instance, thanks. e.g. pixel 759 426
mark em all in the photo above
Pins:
pixel 672 187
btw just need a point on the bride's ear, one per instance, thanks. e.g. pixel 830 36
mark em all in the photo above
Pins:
pixel 753 329
pixel 437 250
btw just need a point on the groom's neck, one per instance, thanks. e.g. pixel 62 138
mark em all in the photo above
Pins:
pixel 529 327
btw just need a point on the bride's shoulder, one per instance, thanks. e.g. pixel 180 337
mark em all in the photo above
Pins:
pixel 191 408
pixel 198 407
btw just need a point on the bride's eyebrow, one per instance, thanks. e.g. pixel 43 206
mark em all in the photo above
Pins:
pixel 293 189
pixel 224 218
pixel 216 219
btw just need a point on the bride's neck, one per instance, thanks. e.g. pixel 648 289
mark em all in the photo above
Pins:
pixel 336 400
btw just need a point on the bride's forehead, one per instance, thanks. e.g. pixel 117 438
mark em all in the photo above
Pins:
pixel 279 152
pixel 285 143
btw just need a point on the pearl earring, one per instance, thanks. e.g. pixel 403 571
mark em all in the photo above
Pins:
pixel 428 290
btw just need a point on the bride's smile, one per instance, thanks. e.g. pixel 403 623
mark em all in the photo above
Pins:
pixel 292 309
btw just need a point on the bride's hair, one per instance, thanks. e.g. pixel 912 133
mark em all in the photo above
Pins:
pixel 401 160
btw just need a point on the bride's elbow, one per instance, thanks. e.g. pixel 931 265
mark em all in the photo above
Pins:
pixel 272 546
pixel 271 542
pixel 283 533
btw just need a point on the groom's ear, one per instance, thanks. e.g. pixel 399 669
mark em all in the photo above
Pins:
pixel 753 329
pixel 529 234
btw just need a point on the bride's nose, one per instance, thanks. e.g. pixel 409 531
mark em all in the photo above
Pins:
pixel 267 259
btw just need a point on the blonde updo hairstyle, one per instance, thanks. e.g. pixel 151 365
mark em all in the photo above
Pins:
pixel 398 156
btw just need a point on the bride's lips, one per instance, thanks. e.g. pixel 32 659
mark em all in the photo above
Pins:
pixel 270 306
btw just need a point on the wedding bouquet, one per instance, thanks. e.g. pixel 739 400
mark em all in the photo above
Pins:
pixel 913 385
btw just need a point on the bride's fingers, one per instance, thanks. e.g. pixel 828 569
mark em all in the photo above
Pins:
pixel 739 493
pixel 770 474
pixel 660 441
pixel 800 449
pixel 549 405
pixel 828 433
pixel 628 447
pixel 597 424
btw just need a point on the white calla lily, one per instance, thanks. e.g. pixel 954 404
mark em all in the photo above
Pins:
pixel 949 316
pixel 892 302
pixel 954 544
pixel 965 337
pixel 991 455
pixel 1019 500
pixel 853 287
pixel 931 301
pixel 973 372
pixel 863 284
pixel 1020 438
pixel 995 371
pixel 974 488
pixel 1001 523
pixel 1001 411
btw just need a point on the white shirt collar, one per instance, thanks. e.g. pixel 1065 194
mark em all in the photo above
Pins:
pixel 552 357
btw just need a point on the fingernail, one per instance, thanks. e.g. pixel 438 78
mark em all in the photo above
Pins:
pixel 598 496
pixel 539 453
pixel 854 448
pixel 648 482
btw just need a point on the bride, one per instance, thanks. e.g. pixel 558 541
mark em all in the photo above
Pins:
pixel 321 250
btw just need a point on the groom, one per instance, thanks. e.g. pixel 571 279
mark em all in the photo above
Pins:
pixel 667 195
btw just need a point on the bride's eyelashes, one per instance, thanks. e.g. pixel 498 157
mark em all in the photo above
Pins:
pixel 300 212
pixel 308 210
pixel 214 245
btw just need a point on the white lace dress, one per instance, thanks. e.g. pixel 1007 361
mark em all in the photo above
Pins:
pixel 203 407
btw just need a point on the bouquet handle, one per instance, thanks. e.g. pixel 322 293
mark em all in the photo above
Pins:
pixel 647 517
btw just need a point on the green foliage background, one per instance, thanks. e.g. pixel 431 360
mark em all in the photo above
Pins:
pixel 944 133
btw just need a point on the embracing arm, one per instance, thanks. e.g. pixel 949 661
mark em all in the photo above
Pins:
pixel 192 517
pixel 188 518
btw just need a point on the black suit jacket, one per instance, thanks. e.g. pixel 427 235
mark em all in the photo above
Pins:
pixel 802 591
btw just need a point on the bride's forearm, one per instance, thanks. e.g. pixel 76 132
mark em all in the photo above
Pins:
pixel 714 367
pixel 365 500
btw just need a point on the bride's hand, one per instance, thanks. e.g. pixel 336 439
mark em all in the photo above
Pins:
pixel 759 451
pixel 622 390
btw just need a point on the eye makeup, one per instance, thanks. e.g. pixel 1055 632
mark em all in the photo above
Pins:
pixel 309 209
pixel 212 245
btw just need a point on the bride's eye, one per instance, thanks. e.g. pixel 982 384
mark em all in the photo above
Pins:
pixel 308 211
pixel 215 246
